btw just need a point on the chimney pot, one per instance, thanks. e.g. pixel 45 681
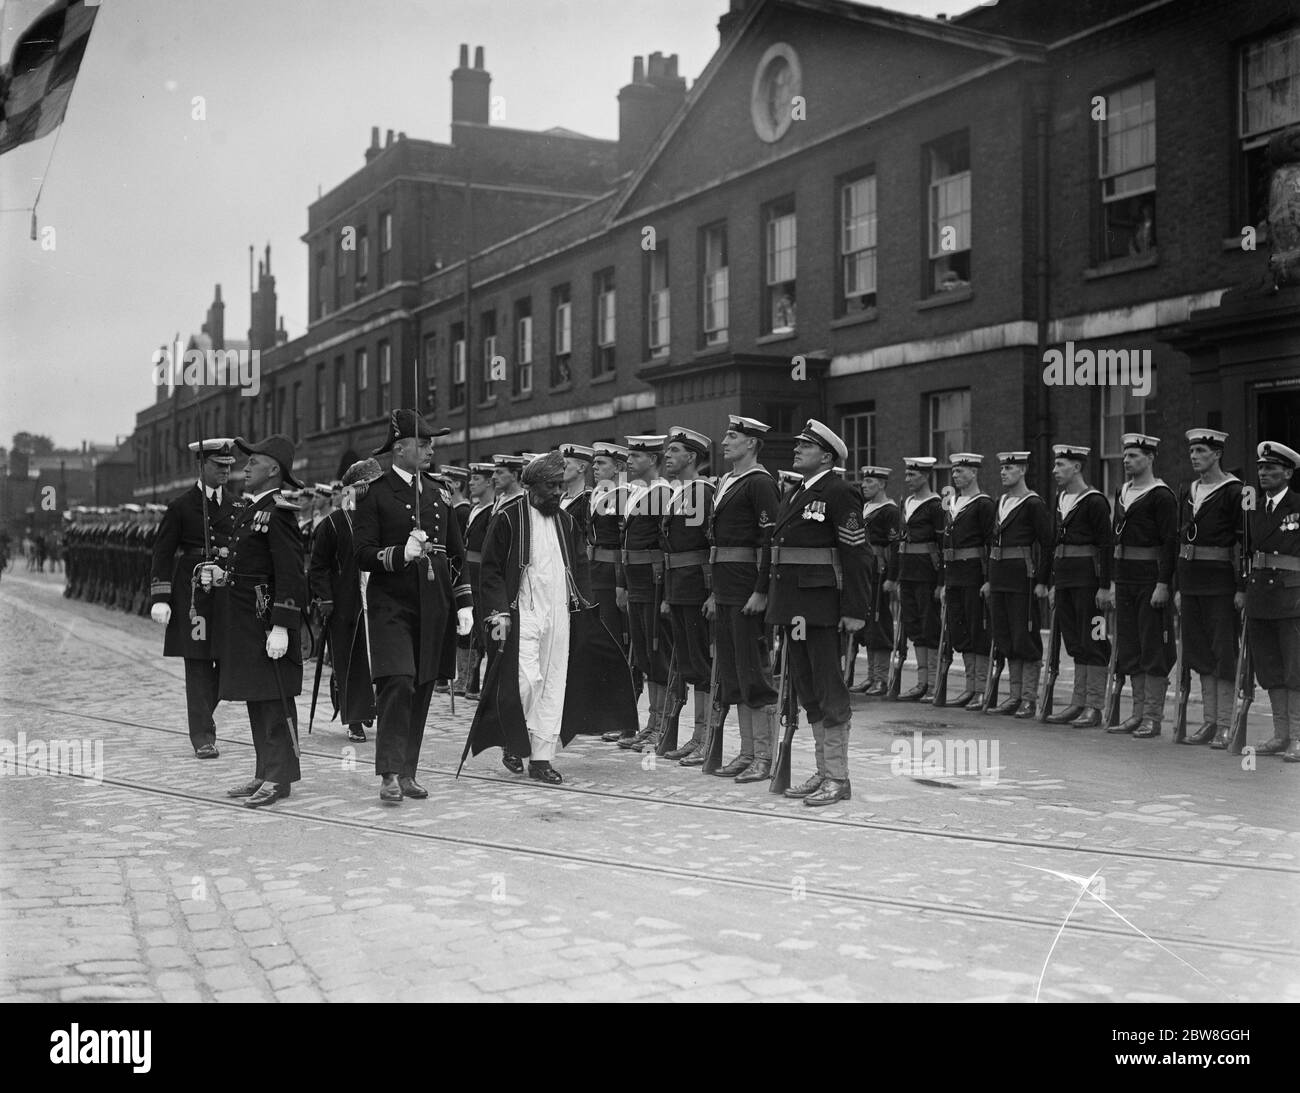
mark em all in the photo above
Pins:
pixel 638 70
pixel 464 55
pixel 672 66
pixel 478 56
pixel 388 140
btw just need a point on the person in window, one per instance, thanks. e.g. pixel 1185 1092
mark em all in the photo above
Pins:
pixel 1144 234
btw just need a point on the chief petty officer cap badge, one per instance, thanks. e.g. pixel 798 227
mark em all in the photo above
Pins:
pixel 1013 459
pixel 1148 444
pixel 965 459
pixel 1270 451
pixel 688 438
pixel 577 451
pixel 747 426
pixel 651 444
pixel 405 424
pixel 1070 451
pixel 279 448
pixel 219 449
pixel 814 432
pixel 617 452
pixel 1211 438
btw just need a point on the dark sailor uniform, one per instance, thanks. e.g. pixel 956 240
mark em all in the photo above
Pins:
pixel 177 549
pixel 966 536
pixel 642 575
pixel 265 586
pixel 336 585
pixel 1081 565
pixel 820 569
pixel 476 526
pixel 1146 547
pixel 917 566
pixel 1020 557
pixel 412 609
pixel 1208 575
pixel 684 537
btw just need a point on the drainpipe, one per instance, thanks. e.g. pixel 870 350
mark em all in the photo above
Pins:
pixel 1042 274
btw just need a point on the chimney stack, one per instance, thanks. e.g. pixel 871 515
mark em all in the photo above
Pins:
pixel 728 22
pixel 261 333
pixel 471 89
pixel 388 140
pixel 374 148
pixel 646 105
pixel 216 324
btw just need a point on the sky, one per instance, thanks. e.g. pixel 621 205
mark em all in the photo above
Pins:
pixel 151 207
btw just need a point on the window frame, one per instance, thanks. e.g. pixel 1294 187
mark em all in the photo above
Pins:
pixel 867 299
pixel 774 212
pixel 658 325
pixel 953 147
pixel 715 286
pixel 963 442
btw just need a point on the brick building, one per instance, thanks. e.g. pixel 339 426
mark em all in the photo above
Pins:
pixel 885 221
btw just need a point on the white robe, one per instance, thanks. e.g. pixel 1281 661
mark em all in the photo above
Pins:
pixel 543 636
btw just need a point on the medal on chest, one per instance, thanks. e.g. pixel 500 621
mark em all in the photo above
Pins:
pixel 814 510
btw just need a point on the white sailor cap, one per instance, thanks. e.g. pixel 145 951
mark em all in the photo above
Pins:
pixel 509 462
pixel 824 437
pixel 450 470
pixel 791 478
pixel 876 472
pixel 577 451
pixel 219 449
pixel 651 444
pixel 1014 459
pixel 610 450
pixel 1070 451
pixel 746 426
pixel 1270 451
pixel 919 462
pixel 688 438
pixel 965 459
pixel 483 469
pixel 1211 438
pixel 1140 440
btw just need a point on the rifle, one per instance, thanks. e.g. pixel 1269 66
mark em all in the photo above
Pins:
pixel 898 653
pixel 1245 681
pixel 667 734
pixel 1183 673
pixel 944 656
pixel 1114 681
pixel 994 672
pixel 1051 669
pixel 781 762
pixel 847 655
pixel 717 717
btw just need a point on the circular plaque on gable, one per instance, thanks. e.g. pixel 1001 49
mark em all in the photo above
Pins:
pixel 777 80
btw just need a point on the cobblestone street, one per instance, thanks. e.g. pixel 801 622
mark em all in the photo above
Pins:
pixel 132 877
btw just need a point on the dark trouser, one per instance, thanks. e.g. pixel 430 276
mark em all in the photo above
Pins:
pixel 815 672
pixel 1076 608
pixel 1145 633
pixel 744 668
pixel 920 613
pixel 202 682
pixel 1015 625
pixel 691 643
pixel 1209 626
pixel 273 742
pixel 1275 649
pixel 401 709
pixel 966 628
pixel 645 624
pixel 878 634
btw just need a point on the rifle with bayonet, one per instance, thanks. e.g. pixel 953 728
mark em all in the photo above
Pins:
pixel 898 651
pixel 1244 690
pixel 717 715
pixel 943 656
pixel 1051 669
pixel 1114 681
pixel 668 723
pixel 788 713
pixel 1183 675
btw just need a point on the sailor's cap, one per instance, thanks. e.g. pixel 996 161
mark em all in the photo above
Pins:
pixel 815 432
pixel 219 449
pixel 747 426
pixel 965 459
pixel 1211 438
pixel 1070 451
pixel 651 444
pixel 1270 451
pixel 577 451
pixel 1140 440
pixel 1014 459
pixel 688 438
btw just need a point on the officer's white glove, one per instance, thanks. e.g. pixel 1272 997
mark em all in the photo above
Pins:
pixel 415 544
pixel 277 642
pixel 210 575
pixel 464 620
pixel 161 613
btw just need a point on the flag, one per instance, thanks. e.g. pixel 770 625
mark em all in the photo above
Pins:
pixel 36 85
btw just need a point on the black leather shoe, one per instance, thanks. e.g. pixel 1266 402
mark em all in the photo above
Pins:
pixel 804 789
pixel 738 765
pixel 689 748
pixel 1276 746
pixel 206 751
pixel 976 702
pixel 829 792
pixel 962 699
pixel 650 742
pixel 1125 726
pixel 542 771
pixel 389 790
pixel 356 734
pixel 928 697
pixel 1028 709
pixel 1009 706
pixel 631 740
pixel 760 770
pixel 269 793
pixel 1220 741
pixel 615 736
pixel 861 688
pixel 914 695
pixel 1065 716
pixel 1147 729
pixel 1089 719
pixel 1292 753
pixel 512 763
pixel 411 788
pixel 695 759
pixel 1203 735
pixel 876 690
pixel 245 790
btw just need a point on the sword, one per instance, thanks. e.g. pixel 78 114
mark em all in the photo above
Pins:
pixel 290 719
pixel 315 687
